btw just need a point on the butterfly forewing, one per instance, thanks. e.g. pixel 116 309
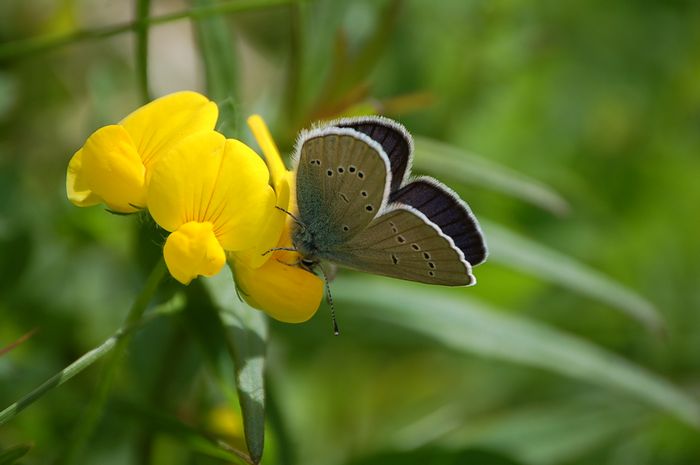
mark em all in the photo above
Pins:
pixel 342 183
pixel 403 243
pixel 394 139
pixel 444 208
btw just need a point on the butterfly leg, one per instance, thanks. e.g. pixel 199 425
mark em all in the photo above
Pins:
pixel 296 220
pixel 296 263
pixel 274 249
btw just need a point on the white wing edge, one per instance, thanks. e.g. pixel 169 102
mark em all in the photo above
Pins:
pixel 389 122
pixel 467 265
pixel 465 206
pixel 330 130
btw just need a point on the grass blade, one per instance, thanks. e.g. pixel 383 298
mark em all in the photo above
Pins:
pixel 451 162
pixel 552 433
pixel 26 47
pixel 247 331
pixel 470 326
pixel 13 345
pixel 143 8
pixel 532 258
pixel 217 52
pixel 174 305
pixel 13 454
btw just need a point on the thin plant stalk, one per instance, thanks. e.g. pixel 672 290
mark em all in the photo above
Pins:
pixel 143 8
pixel 96 407
pixel 26 47
pixel 90 357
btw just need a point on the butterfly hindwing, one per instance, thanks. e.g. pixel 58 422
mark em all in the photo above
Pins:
pixel 402 243
pixel 342 183
pixel 444 208
pixel 394 139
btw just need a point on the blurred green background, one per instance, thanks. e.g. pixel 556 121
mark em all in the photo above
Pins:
pixel 571 128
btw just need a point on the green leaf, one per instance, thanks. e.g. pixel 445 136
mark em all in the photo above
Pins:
pixel 217 52
pixel 549 433
pixel 11 455
pixel 247 336
pixel 532 258
pixel 437 456
pixel 451 162
pixel 470 326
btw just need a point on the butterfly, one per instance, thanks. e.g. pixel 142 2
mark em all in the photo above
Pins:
pixel 359 207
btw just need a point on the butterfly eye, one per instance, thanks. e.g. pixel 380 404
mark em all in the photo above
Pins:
pixel 369 208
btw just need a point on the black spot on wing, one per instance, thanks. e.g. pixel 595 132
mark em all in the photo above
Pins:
pixel 394 143
pixel 446 212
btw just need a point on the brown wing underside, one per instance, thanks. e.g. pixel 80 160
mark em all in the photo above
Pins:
pixel 341 186
pixel 402 244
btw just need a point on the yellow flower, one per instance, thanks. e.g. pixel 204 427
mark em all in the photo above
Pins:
pixel 271 282
pixel 115 164
pixel 213 195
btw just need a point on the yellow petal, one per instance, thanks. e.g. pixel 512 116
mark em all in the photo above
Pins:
pixel 76 185
pixel 242 199
pixel 156 127
pixel 192 250
pixel 269 148
pixel 286 293
pixel 269 235
pixel 291 180
pixel 225 421
pixel 177 182
pixel 208 178
pixel 112 170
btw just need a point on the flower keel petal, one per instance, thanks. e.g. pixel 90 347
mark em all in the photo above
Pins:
pixel 192 251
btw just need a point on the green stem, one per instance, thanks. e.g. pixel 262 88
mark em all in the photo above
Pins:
pixel 296 42
pixel 96 406
pixel 143 8
pixel 85 361
pixel 33 45
pixel 61 377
